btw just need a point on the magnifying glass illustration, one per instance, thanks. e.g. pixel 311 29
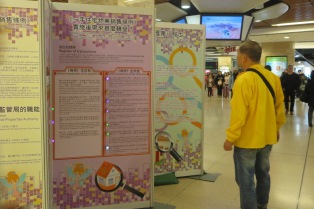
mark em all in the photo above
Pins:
pixel 164 144
pixel 109 177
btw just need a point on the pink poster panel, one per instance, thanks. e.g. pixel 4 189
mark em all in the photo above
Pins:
pixel 101 122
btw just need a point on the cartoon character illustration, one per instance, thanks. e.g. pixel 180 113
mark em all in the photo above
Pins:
pixel 185 136
pixel 14 183
pixel 77 174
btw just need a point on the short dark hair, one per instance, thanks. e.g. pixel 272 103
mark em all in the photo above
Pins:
pixel 252 49
pixel 268 67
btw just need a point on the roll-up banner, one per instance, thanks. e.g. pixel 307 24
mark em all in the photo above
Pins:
pixel 101 68
pixel 178 98
pixel 21 123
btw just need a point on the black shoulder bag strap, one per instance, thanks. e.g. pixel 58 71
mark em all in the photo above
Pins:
pixel 265 81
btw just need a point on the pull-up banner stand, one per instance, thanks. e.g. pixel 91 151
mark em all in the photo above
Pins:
pixel 102 62
pixel 178 111
pixel 21 106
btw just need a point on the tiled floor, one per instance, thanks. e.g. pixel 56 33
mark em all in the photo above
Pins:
pixel 292 166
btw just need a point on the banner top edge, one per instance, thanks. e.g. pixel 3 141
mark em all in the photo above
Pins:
pixel 101 8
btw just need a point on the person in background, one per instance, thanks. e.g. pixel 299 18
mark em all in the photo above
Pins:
pixel 290 84
pixel 206 81
pixel 219 82
pixel 226 76
pixel 303 79
pixel 256 118
pixel 309 90
pixel 232 78
pixel 226 85
pixel 283 73
pixel 268 67
pixel 210 85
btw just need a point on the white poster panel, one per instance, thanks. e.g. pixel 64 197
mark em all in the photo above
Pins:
pixel 178 113
pixel 102 62
pixel 21 141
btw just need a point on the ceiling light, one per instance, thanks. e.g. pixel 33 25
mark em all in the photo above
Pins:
pixel 294 23
pixel 257 20
pixel 158 20
pixel 185 4
pixel 286 37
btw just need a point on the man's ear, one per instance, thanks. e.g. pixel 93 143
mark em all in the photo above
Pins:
pixel 245 57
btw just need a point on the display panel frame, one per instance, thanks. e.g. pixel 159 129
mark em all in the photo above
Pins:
pixel 223 29
pixel 277 63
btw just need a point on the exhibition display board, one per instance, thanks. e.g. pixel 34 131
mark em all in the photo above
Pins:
pixel 21 106
pixel 101 69
pixel 45 63
pixel 178 98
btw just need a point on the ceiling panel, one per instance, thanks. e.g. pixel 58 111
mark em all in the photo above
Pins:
pixel 219 6
pixel 294 37
pixel 167 12
pixel 300 10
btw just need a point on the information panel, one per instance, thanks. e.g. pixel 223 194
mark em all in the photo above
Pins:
pixel 178 113
pixel 127 108
pixel 102 61
pixel 20 106
pixel 78 110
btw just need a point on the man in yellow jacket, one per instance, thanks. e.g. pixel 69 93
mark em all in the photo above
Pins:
pixel 256 117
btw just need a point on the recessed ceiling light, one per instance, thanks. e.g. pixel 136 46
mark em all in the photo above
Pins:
pixel 294 23
pixel 257 21
pixel 286 37
pixel 185 4
pixel 158 20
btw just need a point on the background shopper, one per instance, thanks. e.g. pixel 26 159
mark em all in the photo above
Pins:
pixel 309 90
pixel 219 81
pixel 290 84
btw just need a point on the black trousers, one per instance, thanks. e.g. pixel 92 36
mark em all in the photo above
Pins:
pixel 210 91
pixel 310 115
pixel 289 96
pixel 219 88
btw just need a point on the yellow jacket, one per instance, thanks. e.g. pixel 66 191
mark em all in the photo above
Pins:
pixel 253 122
